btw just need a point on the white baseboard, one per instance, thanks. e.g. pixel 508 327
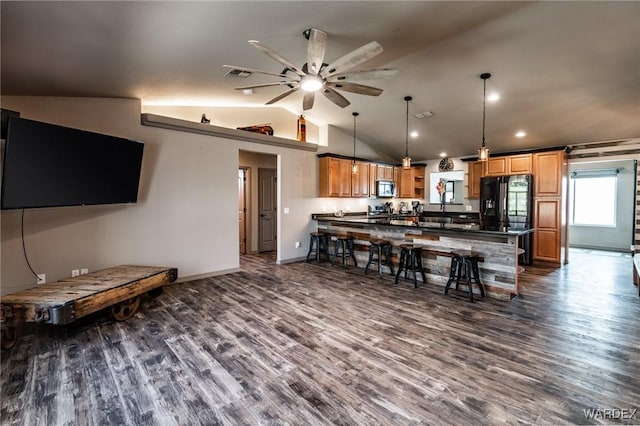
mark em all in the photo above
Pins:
pixel 206 275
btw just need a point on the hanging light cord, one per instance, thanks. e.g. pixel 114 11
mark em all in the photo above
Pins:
pixel 484 102
pixel 24 249
pixel 406 136
pixel 355 114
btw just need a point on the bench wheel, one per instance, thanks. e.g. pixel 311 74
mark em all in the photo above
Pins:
pixel 155 292
pixel 9 337
pixel 125 310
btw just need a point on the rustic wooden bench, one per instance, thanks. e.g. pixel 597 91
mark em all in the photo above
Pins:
pixel 64 301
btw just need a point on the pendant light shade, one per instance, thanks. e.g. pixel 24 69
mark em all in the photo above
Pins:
pixel 483 152
pixel 354 165
pixel 406 161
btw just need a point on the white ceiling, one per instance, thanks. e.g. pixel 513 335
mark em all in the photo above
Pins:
pixel 567 72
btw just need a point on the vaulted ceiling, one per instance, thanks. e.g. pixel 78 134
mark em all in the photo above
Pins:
pixel 567 72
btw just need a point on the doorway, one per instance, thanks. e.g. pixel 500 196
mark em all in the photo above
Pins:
pixel 242 208
pixel 260 197
pixel 267 210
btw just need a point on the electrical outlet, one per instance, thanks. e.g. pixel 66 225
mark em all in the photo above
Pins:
pixel 84 271
pixel 298 244
pixel 75 272
pixel 42 278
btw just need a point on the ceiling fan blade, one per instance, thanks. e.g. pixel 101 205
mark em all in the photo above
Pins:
pixel 275 55
pixel 335 97
pixel 256 86
pixel 253 70
pixel 360 89
pixel 364 75
pixel 353 59
pixel 283 95
pixel 307 101
pixel 315 50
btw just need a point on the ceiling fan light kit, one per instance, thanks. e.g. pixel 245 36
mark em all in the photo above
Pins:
pixel 315 75
pixel 483 152
pixel 406 161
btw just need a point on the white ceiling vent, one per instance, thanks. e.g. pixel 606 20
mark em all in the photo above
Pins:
pixel 424 114
pixel 234 72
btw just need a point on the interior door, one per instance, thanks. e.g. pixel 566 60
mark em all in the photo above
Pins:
pixel 242 210
pixel 267 211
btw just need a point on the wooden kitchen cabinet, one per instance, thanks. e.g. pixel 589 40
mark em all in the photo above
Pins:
pixel 520 164
pixel 385 172
pixel 547 168
pixel 411 182
pixel 373 177
pixel 509 165
pixel 360 181
pixel 547 239
pixel 335 177
pixel 497 166
pixel 549 171
pixel 475 172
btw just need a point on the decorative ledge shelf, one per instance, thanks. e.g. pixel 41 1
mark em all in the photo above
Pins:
pixel 170 123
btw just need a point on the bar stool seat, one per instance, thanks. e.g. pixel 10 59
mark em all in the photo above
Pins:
pixel 344 249
pixel 411 260
pixel 376 248
pixel 464 267
pixel 318 245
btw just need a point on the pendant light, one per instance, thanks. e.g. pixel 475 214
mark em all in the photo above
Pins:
pixel 483 152
pixel 354 165
pixel 406 161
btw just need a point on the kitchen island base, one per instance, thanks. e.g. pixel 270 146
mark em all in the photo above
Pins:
pixel 498 272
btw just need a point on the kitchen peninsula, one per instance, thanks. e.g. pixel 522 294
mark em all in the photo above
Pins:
pixel 499 247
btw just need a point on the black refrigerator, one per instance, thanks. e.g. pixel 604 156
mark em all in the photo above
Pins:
pixel 506 203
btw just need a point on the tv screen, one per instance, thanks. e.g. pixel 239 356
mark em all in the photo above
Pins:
pixel 46 165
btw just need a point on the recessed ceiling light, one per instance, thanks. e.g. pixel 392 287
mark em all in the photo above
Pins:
pixel 443 154
pixel 493 97
pixel 414 134
pixel 521 134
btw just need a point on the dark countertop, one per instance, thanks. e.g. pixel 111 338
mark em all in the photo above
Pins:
pixel 474 228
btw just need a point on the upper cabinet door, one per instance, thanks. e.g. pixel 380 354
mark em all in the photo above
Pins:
pixel 547 169
pixel 476 171
pixel 497 166
pixel 520 164
pixel 360 181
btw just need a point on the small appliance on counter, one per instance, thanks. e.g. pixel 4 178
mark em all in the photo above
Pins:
pixel 417 207
pixel 378 209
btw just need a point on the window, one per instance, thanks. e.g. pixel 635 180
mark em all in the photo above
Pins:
pixel 594 200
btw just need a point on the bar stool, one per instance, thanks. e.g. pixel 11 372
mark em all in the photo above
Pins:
pixel 344 249
pixel 376 248
pixel 411 260
pixel 465 263
pixel 319 244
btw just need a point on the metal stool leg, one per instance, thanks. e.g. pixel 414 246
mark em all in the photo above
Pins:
pixel 371 249
pixel 452 274
pixel 387 256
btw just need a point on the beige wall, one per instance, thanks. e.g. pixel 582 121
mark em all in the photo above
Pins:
pixel 186 215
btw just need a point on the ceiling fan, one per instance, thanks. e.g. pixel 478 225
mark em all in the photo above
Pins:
pixel 315 75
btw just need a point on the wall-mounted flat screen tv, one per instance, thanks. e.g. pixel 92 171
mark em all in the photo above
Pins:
pixel 47 165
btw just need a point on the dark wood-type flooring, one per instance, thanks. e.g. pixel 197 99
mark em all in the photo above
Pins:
pixel 309 344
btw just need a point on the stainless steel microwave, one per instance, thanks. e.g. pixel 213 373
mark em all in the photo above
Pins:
pixel 385 189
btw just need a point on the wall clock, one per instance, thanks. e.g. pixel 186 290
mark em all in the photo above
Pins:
pixel 446 164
